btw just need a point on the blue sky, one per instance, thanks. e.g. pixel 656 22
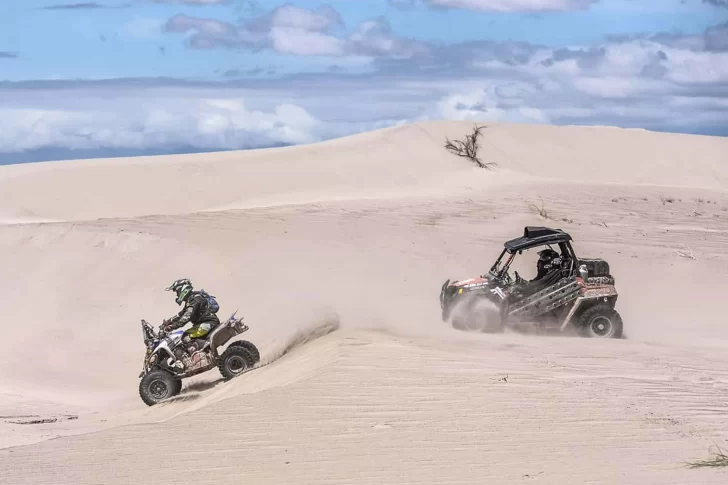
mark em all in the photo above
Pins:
pixel 186 75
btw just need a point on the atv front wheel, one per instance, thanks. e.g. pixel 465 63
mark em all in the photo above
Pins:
pixel 157 386
pixel 601 321
pixel 234 361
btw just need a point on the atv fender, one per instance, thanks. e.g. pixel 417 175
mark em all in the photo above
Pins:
pixel 222 335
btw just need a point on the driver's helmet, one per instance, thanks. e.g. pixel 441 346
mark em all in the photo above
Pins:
pixel 182 288
pixel 548 259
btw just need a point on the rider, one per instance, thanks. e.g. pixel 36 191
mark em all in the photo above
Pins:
pixel 196 310
pixel 549 263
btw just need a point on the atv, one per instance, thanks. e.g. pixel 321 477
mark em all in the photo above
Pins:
pixel 582 296
pixel 174 356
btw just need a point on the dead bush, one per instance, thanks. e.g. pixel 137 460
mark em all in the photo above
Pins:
pixel 542 211
pixel 468 148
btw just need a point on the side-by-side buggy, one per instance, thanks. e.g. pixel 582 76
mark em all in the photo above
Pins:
pixel 579 294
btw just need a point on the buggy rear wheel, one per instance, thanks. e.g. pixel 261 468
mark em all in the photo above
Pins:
pixel 601 321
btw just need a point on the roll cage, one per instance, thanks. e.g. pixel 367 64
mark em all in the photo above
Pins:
pixel 535 237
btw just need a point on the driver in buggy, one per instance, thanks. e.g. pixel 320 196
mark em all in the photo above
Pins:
pixel 199 309
pixel 548 272
pixel 547 266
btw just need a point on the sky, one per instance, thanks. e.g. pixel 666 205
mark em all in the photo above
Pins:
pixel 102 78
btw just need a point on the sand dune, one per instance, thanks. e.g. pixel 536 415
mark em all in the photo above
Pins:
pixel 392 162
pixel 358 234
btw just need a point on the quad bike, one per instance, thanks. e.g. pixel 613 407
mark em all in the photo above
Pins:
pixel 582 296
pixel 174 356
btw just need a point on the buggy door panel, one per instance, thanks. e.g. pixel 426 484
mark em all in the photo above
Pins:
pixel 550 298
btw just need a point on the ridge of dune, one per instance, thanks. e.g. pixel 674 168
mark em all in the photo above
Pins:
pixel 402 161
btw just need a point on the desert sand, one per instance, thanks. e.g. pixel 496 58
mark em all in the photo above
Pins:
pixel 335 253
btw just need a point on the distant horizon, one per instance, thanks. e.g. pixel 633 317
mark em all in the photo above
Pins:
pixel 61 154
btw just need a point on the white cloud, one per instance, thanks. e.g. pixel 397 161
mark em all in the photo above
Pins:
pixel 486 105
pixel 293 30
pixel 375 38
pixel 190 2
pixel 613 87
pixel 290 16
pixel 513 5
pixel 172 121
pixel 696 68
pixel 302 42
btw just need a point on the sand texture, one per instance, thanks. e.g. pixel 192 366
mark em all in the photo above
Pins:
pixel 335 253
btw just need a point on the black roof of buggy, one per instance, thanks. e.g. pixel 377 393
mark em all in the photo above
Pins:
pixel 536 236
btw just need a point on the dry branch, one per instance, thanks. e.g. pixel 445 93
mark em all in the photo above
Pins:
pixel 542 211
pixel 686 252
pixel 719 460
pixel 469 148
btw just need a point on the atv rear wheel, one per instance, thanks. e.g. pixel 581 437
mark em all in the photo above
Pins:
pixel 251 348
pixel 234 361
pixel 601 321
pixel 157 386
